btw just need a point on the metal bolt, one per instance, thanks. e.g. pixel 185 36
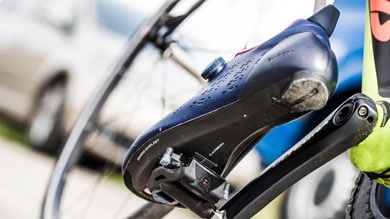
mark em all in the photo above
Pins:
pixel 166 158
pixel 219 214
pixel 363 111
pixel 226 191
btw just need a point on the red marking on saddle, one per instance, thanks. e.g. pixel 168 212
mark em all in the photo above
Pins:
pixel 247 50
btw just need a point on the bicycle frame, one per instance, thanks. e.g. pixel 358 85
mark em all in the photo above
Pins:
pixel 346 126
pixel 264 188
pixel 376 84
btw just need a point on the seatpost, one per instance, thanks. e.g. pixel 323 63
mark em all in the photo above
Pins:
pixel 319 4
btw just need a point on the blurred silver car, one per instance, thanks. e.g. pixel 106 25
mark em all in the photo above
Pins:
pixel 52 56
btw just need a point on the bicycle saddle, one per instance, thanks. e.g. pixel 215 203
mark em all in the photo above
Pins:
pixel 289 75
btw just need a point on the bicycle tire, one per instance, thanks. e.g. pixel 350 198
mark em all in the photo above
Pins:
pixel 322 194
pixel 366 200
pixel 73 147
pixel 152 211
pixel 88 120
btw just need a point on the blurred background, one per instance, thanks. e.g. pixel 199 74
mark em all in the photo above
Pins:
pixel 54 54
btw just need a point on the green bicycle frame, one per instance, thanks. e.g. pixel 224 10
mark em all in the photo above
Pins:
pixel 373 154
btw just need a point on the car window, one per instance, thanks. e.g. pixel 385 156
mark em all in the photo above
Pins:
pixel 22 7
pixel 118 18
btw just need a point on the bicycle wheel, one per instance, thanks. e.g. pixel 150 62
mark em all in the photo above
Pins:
pixel 322 194
pixel 368 200
pixel 148 83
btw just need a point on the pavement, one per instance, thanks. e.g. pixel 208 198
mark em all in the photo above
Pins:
pixel 25 173
pixel 24 176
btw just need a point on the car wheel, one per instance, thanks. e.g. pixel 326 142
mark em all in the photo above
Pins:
pixel 44 133
pixel 323 194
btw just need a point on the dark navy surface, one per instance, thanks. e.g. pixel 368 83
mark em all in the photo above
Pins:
pixel 228 85
pixel 349 35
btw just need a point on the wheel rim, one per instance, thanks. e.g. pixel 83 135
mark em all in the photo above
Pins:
pixel 160 85
pixel 322 194
pixel 89 184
